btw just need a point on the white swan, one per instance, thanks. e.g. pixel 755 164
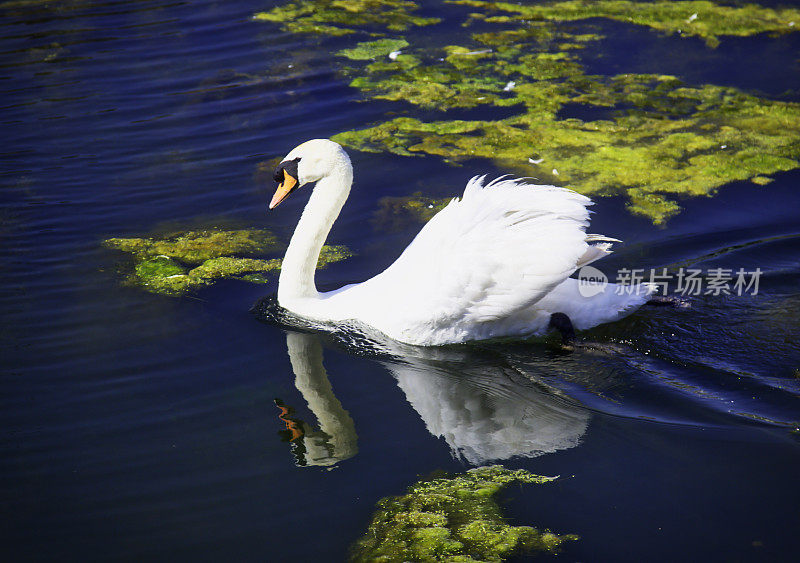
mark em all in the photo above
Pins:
pixel 494 263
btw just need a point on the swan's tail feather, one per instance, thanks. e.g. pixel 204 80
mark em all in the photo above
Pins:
pixel 600 238
pixel 594 252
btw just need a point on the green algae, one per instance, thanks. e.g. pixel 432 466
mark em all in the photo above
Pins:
pixel 459 83
pixel 161 266
pixel 333 253
pixel 181 262
pixel 166 276
pixel 658 140
pixel 643 155
pixel 396 213
pixel 467 77
pixel 195 247
pixel 648 137
pixel 453 519
pixel 700 18
pixel 344 17
pixel 227 266
pixel 368 50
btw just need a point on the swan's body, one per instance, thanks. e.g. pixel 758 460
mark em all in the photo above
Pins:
pixel 494 263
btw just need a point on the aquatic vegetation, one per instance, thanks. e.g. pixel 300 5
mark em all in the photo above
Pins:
pixel 466 77
pixel 434 86
pixel 452 519
pixel 195 247
pixel 761 180
pixel 185 261
pixel 659 137
pixel 164 275
pixel 671 139
pixel 332 253
pixel 700 18
pixel 648 137
pixel 368 50
pixel 395 213
pixel 227 266
pixel 340 17
pixel 161 274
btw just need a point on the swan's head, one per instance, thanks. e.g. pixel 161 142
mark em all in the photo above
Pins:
pixel 307 163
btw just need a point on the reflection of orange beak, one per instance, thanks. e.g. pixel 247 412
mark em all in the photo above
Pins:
pixel 284 189
pixel 292 425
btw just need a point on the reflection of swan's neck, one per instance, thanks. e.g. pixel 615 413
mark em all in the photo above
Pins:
pixel 300 263
pixel 339 440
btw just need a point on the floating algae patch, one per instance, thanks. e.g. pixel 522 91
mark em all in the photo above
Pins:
pixel 666 140
pixel 649 152
pixel 165 275
pixel 228 266
pixel 457 84
pixel 343 17
pixel 368 50
pixel 333 253
pixel 457 76
pixel 452 519
pixel 195 247
pixel 699 18
pixel 761 180
pixel 185 261
pixel 659 141
pixel 396 213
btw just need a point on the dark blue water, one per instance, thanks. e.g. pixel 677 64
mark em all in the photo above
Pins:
pixel 140 426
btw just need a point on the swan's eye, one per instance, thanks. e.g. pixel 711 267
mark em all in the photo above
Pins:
pixel 279 174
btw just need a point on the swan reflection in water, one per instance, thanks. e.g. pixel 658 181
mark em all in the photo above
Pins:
pixel 335 439
pixel 482 408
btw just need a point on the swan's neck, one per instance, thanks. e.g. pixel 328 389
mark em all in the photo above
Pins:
pixel 323 207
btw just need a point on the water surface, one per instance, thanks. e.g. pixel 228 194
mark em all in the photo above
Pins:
pixel 144 426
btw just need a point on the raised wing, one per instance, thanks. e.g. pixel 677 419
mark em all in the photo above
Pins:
pixel 483 258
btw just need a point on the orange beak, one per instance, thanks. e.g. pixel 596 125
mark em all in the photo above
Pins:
pixel 284 189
